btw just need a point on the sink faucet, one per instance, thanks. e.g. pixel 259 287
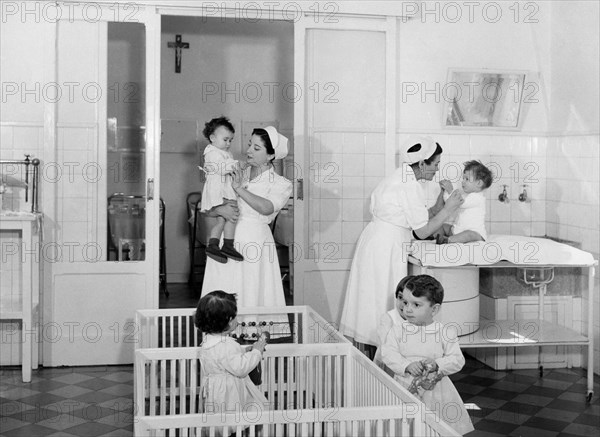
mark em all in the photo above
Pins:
pixel 503 197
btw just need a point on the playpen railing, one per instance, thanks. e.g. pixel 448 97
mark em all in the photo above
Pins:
pixel 175 327
pixel 296 378
pixel 392 421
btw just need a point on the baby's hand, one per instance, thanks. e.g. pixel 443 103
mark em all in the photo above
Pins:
pixel 447 186
pixel 260 345
pixel 430 365
pixel 262 341
pixel 415 368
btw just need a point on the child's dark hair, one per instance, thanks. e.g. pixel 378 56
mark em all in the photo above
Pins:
pixel 214 124
pixel 480 172
pixel 402 285
pixel 214 312
pixel 426 286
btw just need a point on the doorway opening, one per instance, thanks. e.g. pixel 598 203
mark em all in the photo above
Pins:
pixel 212 67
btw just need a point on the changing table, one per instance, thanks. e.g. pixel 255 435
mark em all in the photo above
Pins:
pixel 529 253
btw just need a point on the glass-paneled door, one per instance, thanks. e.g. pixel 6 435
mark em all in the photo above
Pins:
pixel 104 229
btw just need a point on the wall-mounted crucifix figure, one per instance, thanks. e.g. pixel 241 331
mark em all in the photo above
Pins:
pixel 178 45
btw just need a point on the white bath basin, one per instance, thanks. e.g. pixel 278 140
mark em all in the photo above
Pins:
pixel 461 297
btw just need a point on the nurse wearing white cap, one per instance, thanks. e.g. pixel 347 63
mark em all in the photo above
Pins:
pixel 380 261
pixel 261 194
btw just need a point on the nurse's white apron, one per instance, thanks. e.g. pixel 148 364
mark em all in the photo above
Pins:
pixel 380 262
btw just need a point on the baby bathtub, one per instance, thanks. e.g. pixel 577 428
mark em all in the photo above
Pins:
pixel 312 389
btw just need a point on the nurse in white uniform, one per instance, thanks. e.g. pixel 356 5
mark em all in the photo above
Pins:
pixel 261 194
pixel 380 260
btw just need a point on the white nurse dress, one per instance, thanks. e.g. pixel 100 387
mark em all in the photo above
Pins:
pixel 380 259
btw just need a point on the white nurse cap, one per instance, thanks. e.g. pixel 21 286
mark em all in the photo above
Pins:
pixel 278 141
pixel 422 148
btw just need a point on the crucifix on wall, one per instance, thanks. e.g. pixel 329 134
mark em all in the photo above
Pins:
pixel 178 45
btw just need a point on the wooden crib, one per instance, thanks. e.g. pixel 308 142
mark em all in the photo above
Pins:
pixel 312 390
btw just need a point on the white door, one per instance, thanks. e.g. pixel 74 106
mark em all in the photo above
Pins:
pixel 345 140
pixel 100 256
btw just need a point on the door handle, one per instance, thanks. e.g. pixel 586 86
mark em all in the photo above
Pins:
pixel 300 189
pixel 150 189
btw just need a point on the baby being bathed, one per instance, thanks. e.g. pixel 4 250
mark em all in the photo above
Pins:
pixel 469 224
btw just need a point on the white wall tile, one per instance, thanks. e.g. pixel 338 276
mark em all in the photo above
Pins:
pixel 375 165
pixel 575 233
pixel 354 142
pixel 538 210
pixel 520 212
pixel 351 231
pixel 330 232
pixel 331 188
pixel 459 144
pixel 6 139
pixel 353 210
pixel 353 187
pixel 353 164
pixel 370 184
pixel 26 139
pixel 520 228
pixel 331 210
pixel 500 228
pixel 500 212
pixel 374 143
pixel 538 228
pixel 520 146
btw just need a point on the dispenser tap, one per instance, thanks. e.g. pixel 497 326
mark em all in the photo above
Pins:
pixel 503 197
pixel 523 195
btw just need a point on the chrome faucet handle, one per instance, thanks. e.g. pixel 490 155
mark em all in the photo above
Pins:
pixel 523 195
pixel 503 197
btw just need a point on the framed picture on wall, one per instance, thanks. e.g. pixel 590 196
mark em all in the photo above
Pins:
pixel 483 99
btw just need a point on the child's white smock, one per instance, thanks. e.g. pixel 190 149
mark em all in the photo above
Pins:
pixel 470 216
pixel 386 322
pixel 380 259
pixel 407 343
pixel 257 279
pixel 226 386
pixel 217 166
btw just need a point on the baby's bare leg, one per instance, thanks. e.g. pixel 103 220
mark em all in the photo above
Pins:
pixel 465 237
pixel 217 229
pixel 229 230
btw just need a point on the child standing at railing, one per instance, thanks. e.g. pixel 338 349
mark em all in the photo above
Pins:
pixel 391 318
pixel 226 387
pixel 422 353
pixel 217 190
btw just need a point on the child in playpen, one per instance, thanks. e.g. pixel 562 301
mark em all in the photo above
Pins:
pixel 226 387
pixel 391 318
pixel 217 190
pixel 422 353
pixel 469 224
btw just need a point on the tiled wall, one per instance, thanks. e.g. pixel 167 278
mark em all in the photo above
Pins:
pixel 346 166
pixel 344 169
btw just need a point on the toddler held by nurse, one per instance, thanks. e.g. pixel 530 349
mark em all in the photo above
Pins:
pixel 422 352
pixel 218 166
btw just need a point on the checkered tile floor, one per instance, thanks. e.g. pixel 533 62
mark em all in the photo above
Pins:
pixel 97 401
